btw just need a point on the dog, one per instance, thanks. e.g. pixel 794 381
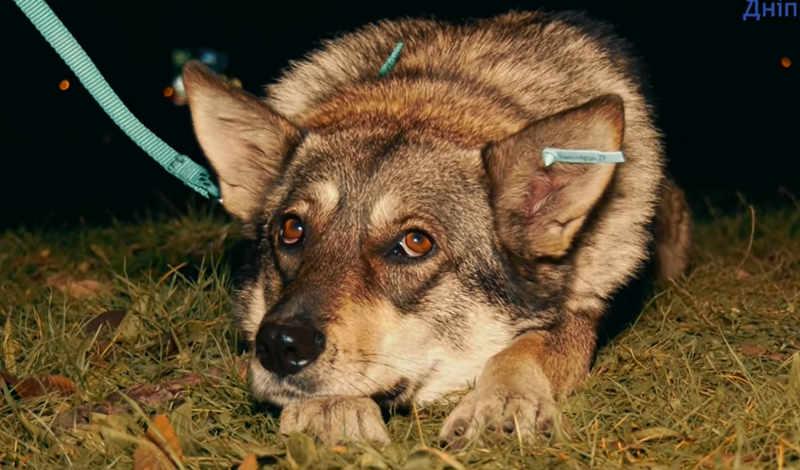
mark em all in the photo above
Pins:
pixel 402 238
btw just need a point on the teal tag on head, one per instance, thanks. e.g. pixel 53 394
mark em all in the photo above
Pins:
pixel 551 155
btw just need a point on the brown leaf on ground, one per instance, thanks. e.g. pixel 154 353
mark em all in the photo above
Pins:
pixel 741 274
pixel 75 286
pixel 155 395
pixel 149 457
pixel 39 385
pixel 151 395
pixel 753 351
pixel 156 456
pixel 107 322
pixel 41 259
pixel 84 267
pixel 249 463
pixel 727 460
pixel 82 415
pixel 9 379
pixel 163 429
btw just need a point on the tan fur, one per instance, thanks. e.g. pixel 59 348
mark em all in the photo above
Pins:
pixel 384 210
pixel 527 258
pixel 673 232
pixel 343 419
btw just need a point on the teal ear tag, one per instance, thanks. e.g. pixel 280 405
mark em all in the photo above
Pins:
pixel 551 155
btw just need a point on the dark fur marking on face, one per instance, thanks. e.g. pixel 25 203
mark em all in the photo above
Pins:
pixel 387 398
pixel 498 290
pixel 272 254
pixel 385 148
pixel 409 302
pixel 292 153
pixel 245 261
pixel 246 265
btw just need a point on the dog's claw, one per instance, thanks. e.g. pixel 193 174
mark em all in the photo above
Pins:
pixel 496 409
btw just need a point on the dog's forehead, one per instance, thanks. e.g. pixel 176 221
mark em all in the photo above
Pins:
pixel 378 167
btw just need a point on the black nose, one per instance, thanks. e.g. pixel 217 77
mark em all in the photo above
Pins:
pixel 285 349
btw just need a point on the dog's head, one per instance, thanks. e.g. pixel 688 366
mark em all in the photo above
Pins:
pixel 386 259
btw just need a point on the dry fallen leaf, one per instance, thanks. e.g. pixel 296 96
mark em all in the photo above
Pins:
pixel 249 463
pixel 145 394
pixel 753 351
pixel 84 267
pixel 75 287
pixel 741 274
pixel 148 457
pixel 36 386
pixel 41 259
pixel 156 456
pixel 728 460
pixel 99 251
pixel 162 426
pixel 107 322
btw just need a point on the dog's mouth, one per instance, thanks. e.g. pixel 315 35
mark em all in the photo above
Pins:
pixel 398 394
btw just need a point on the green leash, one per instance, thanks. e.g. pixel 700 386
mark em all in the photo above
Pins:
pixel 181 166
pixel 391 61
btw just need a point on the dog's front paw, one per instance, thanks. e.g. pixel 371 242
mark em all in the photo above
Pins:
pixel 498 408
pixel 336 419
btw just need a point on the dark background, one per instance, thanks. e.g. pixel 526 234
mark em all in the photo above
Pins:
pixel 730 110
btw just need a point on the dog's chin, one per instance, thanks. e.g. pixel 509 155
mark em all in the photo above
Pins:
pixel 267 388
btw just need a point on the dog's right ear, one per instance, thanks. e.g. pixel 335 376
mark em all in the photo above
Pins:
pixel 244 140
pixel 540 209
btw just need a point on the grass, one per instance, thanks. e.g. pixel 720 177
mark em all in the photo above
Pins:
pixel 709 377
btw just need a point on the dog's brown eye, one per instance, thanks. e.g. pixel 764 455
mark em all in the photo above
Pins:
pixel 291 231
pixel 416 244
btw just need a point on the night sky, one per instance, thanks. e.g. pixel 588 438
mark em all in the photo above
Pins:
pixel 727 102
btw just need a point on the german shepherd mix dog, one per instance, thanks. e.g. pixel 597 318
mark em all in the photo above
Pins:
pixel 405 240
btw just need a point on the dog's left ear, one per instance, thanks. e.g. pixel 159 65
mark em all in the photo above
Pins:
pixel 540 209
